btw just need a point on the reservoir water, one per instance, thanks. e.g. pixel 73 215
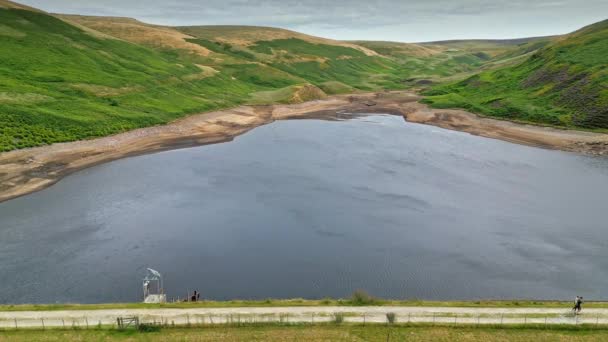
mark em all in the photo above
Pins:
pixel 318 209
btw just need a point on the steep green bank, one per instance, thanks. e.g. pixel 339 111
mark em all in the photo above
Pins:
pixel 66 78
pixel 85 77
pixel 60 83
pixel 565 83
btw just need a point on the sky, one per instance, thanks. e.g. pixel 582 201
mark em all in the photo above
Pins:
pixel 394 20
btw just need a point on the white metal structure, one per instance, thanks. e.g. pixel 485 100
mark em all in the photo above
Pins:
pixel 153 294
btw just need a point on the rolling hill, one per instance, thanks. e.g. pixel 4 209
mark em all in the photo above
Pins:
pixel 70 77
pixel 249 35
pixel 135 31
pixel 564 83
pixel 488 48
pixel 61 83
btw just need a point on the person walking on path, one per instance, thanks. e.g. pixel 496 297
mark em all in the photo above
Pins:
pixel 578 302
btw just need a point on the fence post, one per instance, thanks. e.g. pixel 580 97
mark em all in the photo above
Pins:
pixel 364 318
pixel 63 322
pixel 409 317
pixel 545 320
pixel 312 319
pixel 502 316
pixel 433 317
pixel 597 320
pixel 478 320
pixel 16 327
pixel 86 319
pixel 42 320
pixel 455 318
pixel 188 319
pixel 576 323
pixel 525 319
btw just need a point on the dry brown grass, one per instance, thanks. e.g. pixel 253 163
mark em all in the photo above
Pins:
pixel 290 95
pixel 206 71
pixel 103 91
pixel 248 35
pixel 407 49
pixel 29 98
pixel 307 92
pixel 421 51
pixel 10 32
pixel 137 32
pixel 10 4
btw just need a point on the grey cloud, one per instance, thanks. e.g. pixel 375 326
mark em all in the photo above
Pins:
pixel 406 20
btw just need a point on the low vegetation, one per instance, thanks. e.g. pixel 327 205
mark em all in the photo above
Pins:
pixel 562 84
pixel 59 83
pixel 361 298
pixel 319 332
pixel 338 318
pixel 66 78
pixel 302 302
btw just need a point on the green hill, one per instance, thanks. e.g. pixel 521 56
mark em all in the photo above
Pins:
pixel 69 77
pixel 489 47
pixel 61 83
pixel 565 83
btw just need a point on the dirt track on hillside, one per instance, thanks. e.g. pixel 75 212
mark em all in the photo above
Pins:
pixel 28 170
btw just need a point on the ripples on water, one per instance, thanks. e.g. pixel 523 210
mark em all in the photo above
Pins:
pixel 315 209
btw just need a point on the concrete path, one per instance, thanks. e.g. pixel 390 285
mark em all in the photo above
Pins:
pixel 368 314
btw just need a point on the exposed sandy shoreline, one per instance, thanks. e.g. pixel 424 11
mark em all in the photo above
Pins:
pixel 29 170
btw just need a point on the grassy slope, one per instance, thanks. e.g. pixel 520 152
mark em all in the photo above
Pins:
pixel 564 84
pixel 489 47
pixel 158 37
pixel 316 63
pixel 249 35
pixel 425 64
pixel 301 302
pixel 84 77
pixel 59 83
pixel 319 332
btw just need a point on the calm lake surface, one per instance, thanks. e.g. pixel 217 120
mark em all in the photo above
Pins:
pixel 318 209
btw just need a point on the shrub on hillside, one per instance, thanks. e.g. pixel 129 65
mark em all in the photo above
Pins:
pixel 338 318
pixel 361 297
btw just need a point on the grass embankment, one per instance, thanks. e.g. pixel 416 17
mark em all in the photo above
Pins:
pixel 358 301
pixel 328 332
pixel 563 84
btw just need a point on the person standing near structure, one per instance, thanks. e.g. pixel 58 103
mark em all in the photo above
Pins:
pixel 578 302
